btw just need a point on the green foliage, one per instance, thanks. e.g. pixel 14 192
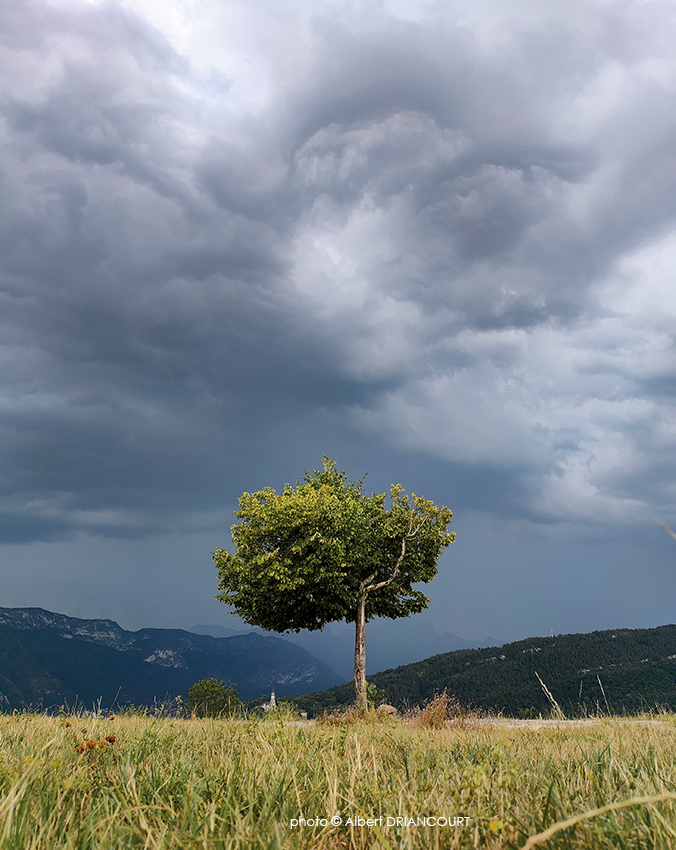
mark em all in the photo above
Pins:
pixel 374 695
pixel 305 555
pixel 617 671
pixel 211 698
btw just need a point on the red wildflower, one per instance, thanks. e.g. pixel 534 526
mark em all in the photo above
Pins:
pixel 91 743
pixel 80 748
pixel 110 739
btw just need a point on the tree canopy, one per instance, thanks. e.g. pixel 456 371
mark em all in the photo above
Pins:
pixel 211 698
pixel 324 551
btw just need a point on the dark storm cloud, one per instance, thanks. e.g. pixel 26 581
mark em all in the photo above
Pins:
pixel 501 198
pixel 149 334
pixel 172 269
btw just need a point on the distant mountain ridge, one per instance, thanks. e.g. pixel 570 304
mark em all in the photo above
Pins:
pixel 617 670
pixel 389 643
pixel 48 659
pixel 106 632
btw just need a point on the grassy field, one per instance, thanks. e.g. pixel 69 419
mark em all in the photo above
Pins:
pixel 82 782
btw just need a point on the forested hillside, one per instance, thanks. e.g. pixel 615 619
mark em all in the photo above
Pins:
pixel 621 670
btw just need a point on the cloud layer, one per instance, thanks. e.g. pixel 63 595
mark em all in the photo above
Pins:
pixel 228 235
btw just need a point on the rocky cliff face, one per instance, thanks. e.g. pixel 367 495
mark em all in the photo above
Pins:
pixel 105 632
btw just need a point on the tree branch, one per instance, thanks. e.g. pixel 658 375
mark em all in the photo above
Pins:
pixel 365 585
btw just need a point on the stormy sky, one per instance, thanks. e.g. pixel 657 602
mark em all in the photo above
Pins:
pixel 435 241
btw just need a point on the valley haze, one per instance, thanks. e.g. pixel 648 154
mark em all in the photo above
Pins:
pixel 389 643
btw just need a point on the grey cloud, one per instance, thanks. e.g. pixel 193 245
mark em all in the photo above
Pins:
pixel 504 201
pixel 155 324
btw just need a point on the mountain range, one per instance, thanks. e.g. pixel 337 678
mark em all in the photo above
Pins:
pixel 49 659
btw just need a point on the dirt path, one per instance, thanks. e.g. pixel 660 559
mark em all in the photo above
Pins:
pixel 512 723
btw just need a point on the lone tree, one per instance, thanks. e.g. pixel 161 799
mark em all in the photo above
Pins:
pixel 324 551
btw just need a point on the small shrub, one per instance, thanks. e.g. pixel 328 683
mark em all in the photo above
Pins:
pixel 211 698
pixel 374 695
pixel 439 711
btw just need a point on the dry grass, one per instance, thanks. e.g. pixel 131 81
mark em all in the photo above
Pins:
pixel 233 784
pixel 352 716
pixel 441 710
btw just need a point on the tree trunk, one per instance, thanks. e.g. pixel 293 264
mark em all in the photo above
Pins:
pixel 360 696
